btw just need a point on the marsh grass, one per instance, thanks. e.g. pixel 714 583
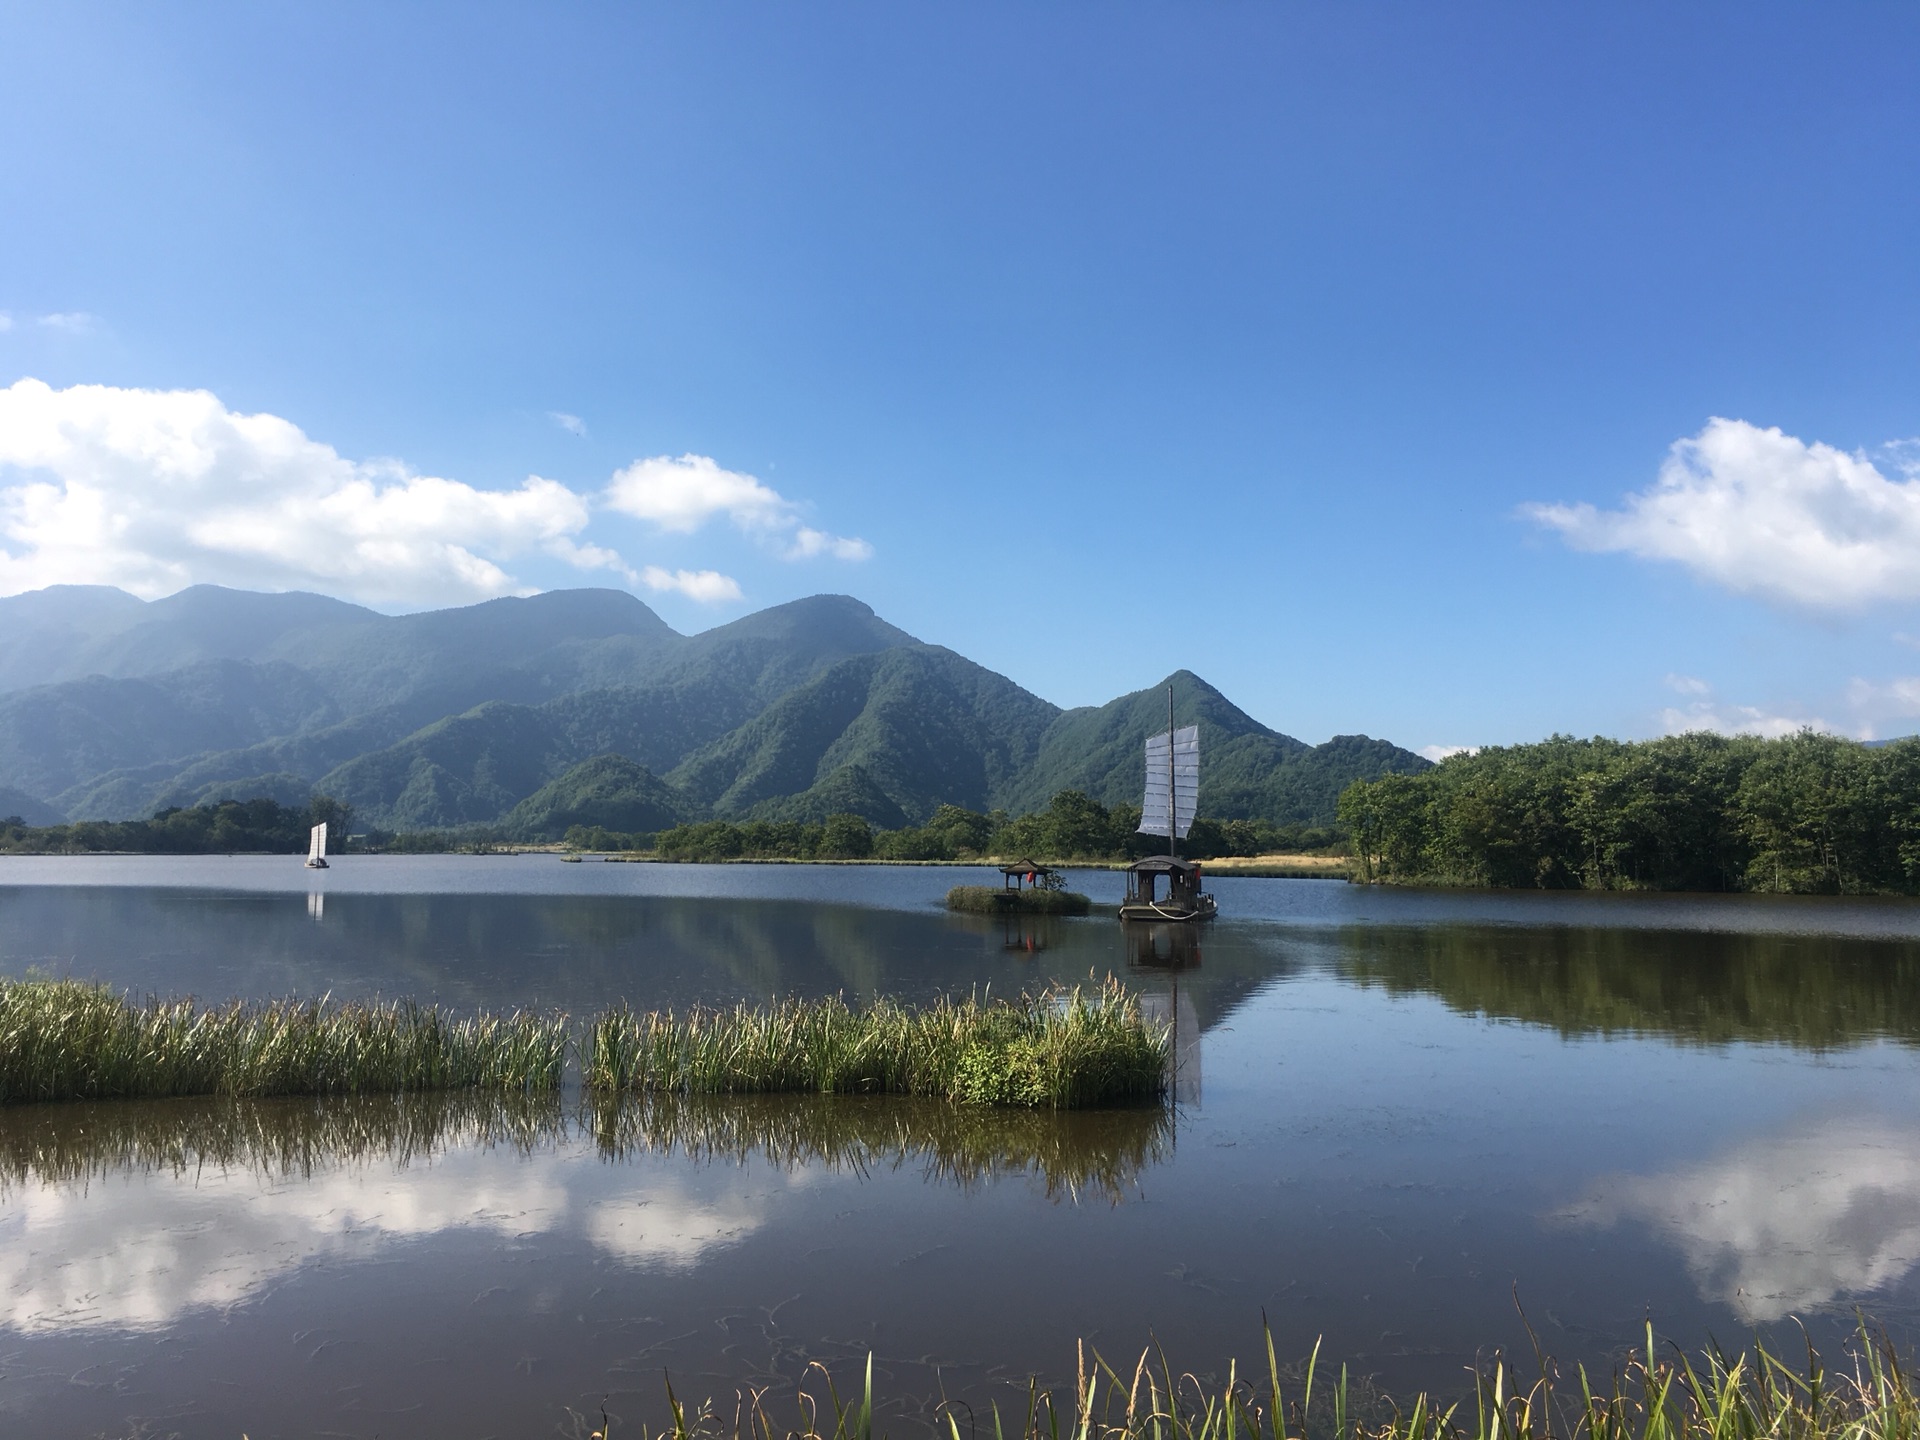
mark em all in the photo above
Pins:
pixel 994 900
pixel 66 1040
pixel 1060 1050
pixel 1714 1396
pixel 1095 1152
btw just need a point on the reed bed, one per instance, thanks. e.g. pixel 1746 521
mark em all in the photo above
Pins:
pixel 995 900
pixel 1091 1152
pixel 1713 1396
pixel 1060 1050
pixel 66 1040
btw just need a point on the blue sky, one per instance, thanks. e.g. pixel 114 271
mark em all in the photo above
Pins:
pixel 1280 342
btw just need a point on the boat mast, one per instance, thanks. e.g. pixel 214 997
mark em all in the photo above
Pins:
pixel 1173 800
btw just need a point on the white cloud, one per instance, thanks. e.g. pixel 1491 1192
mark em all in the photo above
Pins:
pixel 1688 685
pixel 683 494
pixel 71 322
pixel 6 322
pixel 572 424
pixel 155 490
pixel 1437 753
pixel 709 587
pixel 808 543
pixel 1764 513
pixel 1783 1224
pixel 1737 720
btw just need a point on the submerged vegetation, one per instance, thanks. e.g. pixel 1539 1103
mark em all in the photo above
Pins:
pixel 998 900
pixel 1061 1050
pixel 65 1040
pixel 1808 814
pixel 1716 1396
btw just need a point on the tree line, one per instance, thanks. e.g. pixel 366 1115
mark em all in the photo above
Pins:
pixel 224 827
pixel 1806 814
pixel 1074 826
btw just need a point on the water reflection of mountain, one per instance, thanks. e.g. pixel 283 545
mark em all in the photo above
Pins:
pixel 1807 991
pixel 1068 1154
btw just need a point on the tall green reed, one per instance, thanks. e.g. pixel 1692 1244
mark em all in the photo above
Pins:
pixel 1062 1049
pixel 66 1040
pixel 1717 1397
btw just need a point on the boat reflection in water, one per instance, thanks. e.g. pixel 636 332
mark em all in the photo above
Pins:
pixel 1170 950
pixel 1069 1154
pixel 1163 946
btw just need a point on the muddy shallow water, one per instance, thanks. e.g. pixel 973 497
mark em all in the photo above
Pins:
pixel 1396 1110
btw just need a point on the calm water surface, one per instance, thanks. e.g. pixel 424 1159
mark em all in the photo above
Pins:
pixel 1397 1108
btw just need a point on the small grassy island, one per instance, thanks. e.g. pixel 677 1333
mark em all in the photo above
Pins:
pixel 1025 888
pixel 65 1040
pixel 1061 1050
pixel 989 900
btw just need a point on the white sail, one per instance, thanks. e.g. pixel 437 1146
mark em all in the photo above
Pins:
pixel 317 844
pixel 1184 776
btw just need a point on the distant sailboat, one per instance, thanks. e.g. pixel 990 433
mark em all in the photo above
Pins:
pixel 317 848
pixel 1172 791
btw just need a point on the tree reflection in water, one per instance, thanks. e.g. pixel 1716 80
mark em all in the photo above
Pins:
pixel 1811 992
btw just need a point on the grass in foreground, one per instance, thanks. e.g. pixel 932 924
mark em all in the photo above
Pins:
pixel 1061 1050
pixel 1713 1397
pixel 65 1040
pixel 993 900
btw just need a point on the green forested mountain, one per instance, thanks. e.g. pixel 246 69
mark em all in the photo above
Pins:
pixel 458 717
pixel 608 791
pixel 58 736
pixel 1248 772
pixel 925 725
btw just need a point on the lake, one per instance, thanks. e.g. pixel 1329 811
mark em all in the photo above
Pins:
pixel 1398 1111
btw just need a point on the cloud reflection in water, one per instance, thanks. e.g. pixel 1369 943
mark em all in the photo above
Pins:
pixel 1783 1224
pixel 128 1214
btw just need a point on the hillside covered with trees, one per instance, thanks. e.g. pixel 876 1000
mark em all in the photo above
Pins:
pixel 1808 814
pixel 482 718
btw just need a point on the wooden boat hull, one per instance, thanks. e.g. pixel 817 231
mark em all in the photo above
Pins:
pixel 1204 909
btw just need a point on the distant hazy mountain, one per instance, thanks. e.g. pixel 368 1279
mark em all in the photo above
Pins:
pixel 525 711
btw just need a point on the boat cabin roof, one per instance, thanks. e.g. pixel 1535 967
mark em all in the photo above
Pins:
pixel 1161 865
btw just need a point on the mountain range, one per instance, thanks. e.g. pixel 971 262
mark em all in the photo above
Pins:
pixel 528 714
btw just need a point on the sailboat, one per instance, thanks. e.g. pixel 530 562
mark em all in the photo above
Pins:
pixel 1173 788
pixel 317 847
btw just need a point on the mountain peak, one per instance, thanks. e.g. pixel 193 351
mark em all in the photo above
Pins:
pixel 818 618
